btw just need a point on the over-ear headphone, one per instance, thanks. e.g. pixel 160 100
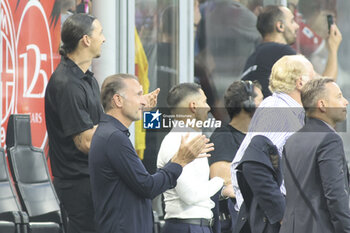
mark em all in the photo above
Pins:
pixel 249 105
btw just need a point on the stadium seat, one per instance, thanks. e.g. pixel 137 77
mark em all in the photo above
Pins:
pixel 10 218
pixel 31 177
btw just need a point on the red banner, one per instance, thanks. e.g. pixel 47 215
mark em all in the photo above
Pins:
pixel 30 35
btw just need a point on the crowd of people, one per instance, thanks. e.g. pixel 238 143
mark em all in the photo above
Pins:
pixel 278 165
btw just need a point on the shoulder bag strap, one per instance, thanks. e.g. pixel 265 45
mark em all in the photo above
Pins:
pixel 307 201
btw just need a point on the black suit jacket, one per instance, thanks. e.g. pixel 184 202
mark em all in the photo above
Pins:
pixel 259 178
pixel 317 159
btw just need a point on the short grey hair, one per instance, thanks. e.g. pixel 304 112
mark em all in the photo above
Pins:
pixel 111 85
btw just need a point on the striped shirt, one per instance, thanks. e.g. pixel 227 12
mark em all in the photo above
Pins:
pixel 277 118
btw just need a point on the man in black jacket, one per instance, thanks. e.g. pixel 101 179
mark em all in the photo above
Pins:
pixel 259 177
pixel 315 170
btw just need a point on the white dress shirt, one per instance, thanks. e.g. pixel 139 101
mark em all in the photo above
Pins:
pixel 277 118
pixel 191 196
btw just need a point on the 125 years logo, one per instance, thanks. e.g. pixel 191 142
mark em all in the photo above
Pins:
pixel 28 59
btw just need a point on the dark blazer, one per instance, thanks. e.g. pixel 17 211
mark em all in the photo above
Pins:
pixel 316 157
pixel 259 178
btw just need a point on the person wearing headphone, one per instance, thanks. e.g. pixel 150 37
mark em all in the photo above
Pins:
pixel 279 29
pixel 241 100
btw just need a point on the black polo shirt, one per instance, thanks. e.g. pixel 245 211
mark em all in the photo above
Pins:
pixel 122 189
pixel 259 64
pixel 72 105
pixel 226 140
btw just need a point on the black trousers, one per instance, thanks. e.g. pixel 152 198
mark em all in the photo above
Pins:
pixel 76 201
pixel 171 227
